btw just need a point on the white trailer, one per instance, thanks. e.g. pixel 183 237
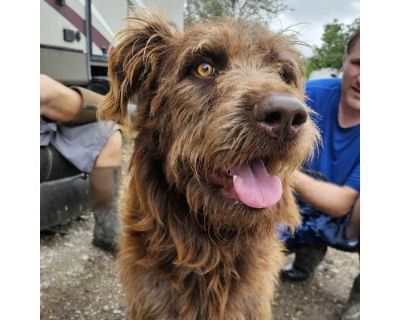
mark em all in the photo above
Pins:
pixel 75 34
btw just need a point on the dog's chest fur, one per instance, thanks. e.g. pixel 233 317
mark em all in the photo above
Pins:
pixel 235 289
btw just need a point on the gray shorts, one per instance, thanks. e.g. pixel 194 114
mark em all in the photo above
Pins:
pixel 79 144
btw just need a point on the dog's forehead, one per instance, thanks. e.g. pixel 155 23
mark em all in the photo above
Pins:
pixel 234 37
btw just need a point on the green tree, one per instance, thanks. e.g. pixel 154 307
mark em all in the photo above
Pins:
pixel 331 52
pixel 261 10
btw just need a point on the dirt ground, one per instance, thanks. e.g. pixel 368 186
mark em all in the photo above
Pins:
pixel 78 280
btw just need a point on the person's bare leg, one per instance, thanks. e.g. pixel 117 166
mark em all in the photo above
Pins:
pixel 111 154
pixel 104 183
pixel 353 226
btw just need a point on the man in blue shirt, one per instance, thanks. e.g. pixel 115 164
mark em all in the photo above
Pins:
pixel 329 186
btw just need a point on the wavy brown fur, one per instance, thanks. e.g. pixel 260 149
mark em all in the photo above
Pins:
pixel 186 252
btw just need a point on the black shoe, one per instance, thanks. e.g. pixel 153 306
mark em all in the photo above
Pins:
pixel 106 229
pixel 307 259
pixel 106 245
pixel 294 275
pixel 352 312
pixel 352 307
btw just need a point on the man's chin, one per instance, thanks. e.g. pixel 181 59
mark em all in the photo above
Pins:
pixel 353 103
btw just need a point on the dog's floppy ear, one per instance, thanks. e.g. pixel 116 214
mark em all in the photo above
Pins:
pixel 133 61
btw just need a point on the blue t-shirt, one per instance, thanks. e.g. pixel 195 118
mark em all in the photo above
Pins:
pixel 338 156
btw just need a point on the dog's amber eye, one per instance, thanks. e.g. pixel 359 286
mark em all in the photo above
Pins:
pixel 205 70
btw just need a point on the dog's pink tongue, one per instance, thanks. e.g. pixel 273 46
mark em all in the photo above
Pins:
pixel 255 187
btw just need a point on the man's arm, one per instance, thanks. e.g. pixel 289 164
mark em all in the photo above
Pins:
pixel 329 198
pixel 58 102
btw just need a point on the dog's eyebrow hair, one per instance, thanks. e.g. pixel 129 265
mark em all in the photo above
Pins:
pixel 206 49
pixel 206 45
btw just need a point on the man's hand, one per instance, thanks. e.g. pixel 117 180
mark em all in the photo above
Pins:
pixel 329 198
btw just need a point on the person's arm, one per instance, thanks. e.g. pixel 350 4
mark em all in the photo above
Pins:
pixel 73 105
pixel 329 198
pixel 58 102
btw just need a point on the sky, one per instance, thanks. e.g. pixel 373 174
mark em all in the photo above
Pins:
pixel 309 17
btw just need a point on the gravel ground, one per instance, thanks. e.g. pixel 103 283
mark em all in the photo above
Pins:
pixel 78 281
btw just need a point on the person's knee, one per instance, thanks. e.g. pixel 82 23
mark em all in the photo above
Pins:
pixel 111 154
pixel 114 144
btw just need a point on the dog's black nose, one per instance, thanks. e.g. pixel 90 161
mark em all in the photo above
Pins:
pixel 281 115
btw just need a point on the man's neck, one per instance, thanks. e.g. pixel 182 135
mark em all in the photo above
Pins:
pixel 348 117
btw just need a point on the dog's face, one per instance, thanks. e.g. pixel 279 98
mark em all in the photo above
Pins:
pixel 221 107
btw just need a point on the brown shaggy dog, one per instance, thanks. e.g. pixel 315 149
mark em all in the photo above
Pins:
pixel 220 125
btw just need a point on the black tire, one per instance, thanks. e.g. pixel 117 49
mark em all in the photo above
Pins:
pixel 63 200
